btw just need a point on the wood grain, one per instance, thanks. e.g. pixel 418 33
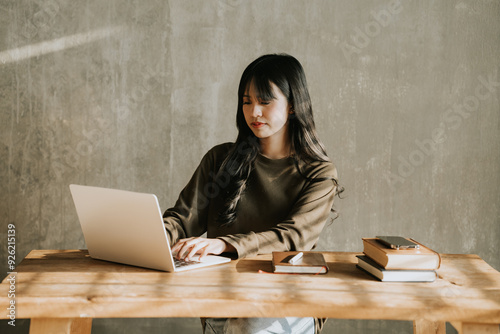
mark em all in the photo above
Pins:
pixel 60 326
pixel 475 328
pixel 69 284
pixel 429 327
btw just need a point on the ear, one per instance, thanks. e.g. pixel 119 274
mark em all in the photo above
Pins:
pixel 291 110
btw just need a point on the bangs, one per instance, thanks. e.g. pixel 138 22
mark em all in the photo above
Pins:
pixel 262 86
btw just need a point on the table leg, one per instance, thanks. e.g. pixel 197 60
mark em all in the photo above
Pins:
pixel 468 328
pixel 429 327
pixel 61 326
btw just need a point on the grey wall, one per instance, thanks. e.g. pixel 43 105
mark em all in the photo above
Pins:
pixel 131 94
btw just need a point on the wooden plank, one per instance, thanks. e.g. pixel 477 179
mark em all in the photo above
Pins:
pixel 61 326
pixel 132 300
pixel 441 289
pixel 81 326
pixel 475 328
pixel 71 284
pixel 429 327
pixel 77 267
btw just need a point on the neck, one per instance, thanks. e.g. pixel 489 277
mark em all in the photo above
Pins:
pixel 275 147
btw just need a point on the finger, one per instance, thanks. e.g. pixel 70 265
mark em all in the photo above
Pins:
pixel 204 252
pixel 179 244
pixel 196 247
pixel 181 254
pixel 186 249
pixel 179 250
pixel 176 247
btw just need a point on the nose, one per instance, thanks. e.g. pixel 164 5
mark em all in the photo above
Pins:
pixel 256 111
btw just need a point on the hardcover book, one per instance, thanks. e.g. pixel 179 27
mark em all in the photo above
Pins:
pixel 371 267
pixel 310 263
pixel 422 258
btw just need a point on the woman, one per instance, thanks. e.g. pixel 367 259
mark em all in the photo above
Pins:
pixel 271 190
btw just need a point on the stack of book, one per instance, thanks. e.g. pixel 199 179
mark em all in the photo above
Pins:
pixel 398 265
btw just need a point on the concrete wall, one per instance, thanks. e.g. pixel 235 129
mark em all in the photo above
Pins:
pixel 131 94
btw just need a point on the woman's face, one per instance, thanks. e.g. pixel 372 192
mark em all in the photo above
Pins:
pixel 266 119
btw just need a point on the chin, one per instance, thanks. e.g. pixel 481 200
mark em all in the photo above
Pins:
pixel 260 135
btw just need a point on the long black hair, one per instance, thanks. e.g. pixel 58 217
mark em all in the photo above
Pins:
pixel 287 74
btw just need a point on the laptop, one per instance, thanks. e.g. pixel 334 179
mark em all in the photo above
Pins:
pixel 127 227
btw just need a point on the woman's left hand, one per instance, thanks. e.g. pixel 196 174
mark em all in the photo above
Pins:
pixel 187 248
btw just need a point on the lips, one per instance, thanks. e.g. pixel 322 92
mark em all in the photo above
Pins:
pixel 257 124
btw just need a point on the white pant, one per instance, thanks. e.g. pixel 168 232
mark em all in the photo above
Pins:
pixel 259 325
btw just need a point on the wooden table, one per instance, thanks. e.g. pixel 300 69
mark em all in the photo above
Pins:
pixel 62 290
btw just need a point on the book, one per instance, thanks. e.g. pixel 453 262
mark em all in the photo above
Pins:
pixel 310 263
pixel 422 258
pixel 374 269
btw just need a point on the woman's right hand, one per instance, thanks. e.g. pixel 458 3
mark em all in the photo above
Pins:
pixel 187 248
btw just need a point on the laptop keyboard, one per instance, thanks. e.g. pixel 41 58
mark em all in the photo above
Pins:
pixel 182 263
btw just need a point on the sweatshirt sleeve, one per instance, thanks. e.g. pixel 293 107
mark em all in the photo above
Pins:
pixel 189 215
pixel 302 228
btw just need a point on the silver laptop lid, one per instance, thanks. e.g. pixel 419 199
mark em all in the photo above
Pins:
pixel 123 226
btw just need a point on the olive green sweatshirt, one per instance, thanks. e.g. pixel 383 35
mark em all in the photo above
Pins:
pixel 280 209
